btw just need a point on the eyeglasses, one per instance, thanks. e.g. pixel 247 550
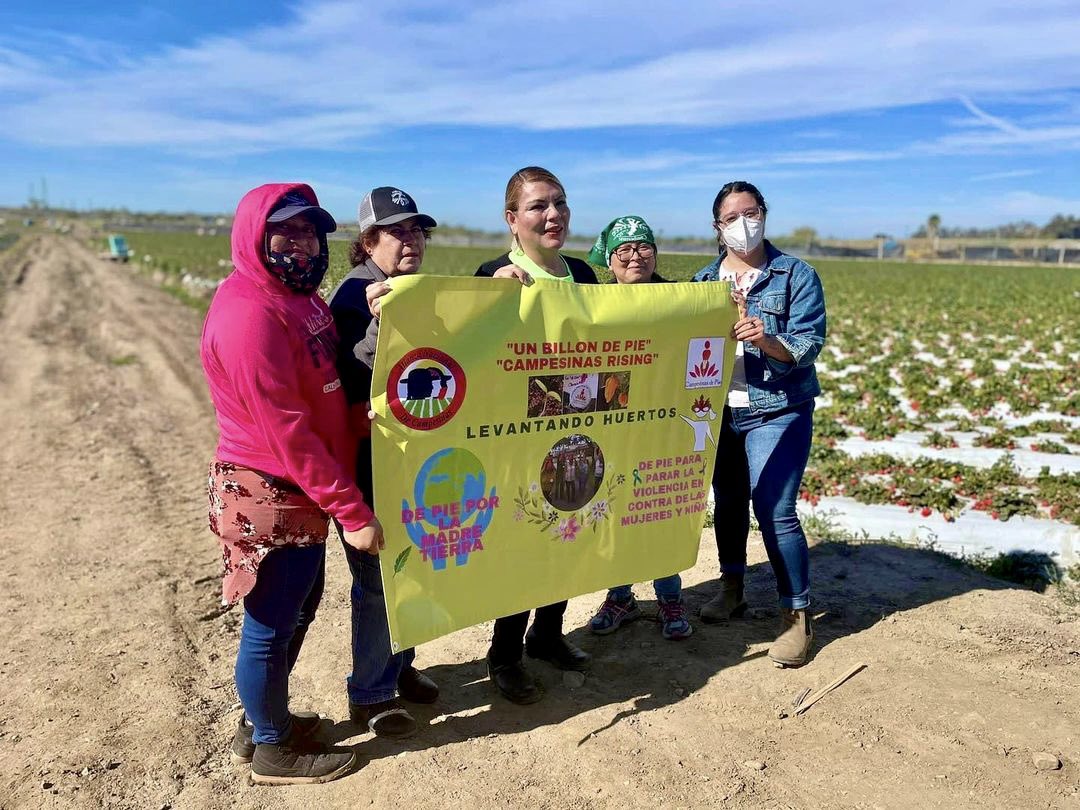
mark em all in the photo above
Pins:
pixel 625 252
pixel 754 213
pixel 413 234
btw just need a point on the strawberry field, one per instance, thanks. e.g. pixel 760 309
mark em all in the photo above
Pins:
pixel 950 408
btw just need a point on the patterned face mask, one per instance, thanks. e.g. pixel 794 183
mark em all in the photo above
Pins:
pixel 302 279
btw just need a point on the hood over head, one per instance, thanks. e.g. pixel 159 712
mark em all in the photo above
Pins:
pixel 249 230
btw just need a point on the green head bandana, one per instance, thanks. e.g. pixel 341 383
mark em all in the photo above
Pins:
pixel 623 229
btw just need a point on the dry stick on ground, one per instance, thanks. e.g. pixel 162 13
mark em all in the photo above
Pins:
pixel 802 707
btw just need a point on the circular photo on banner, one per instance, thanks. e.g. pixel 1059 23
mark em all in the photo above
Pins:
pixel 425 389
pixel 571 472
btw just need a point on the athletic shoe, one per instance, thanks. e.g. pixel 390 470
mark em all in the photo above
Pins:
pixel 613 614
pixel 242 748
pixel 672 617
pixel 298 761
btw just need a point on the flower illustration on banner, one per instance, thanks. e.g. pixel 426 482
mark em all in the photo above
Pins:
pixel 532 508
pixel 568 529
pixel 598 511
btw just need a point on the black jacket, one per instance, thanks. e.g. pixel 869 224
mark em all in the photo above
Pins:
pixel 357 330
pixel 581 272
pixel 655 279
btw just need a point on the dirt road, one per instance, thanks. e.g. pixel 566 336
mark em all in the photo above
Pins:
pixel 116 666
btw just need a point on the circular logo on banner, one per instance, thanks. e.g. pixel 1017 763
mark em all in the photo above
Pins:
pixel 425 389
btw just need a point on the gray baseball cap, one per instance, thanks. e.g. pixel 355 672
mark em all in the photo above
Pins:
pixel 387 205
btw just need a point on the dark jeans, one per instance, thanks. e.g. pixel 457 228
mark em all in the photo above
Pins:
pixel 375 667
pixel 760 458
pixel 277 613
pixel 508 640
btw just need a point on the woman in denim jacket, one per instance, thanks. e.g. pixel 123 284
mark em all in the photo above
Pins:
pixel 765 433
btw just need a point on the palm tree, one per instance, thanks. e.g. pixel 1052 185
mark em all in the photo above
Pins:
pixel 933 224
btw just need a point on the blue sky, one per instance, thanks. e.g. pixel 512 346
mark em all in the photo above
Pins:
pixel 852 117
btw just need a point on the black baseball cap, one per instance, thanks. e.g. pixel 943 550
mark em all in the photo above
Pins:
pixel 387 205
pixel 295 203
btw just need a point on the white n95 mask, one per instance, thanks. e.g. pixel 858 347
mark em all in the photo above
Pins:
pixel 743 235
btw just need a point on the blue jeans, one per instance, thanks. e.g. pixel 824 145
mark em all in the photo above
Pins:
pixel 375 667
pixel 760 458
pixel 277 613
pixel 667 589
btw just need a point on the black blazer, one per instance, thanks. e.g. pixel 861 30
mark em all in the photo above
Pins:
pixel 581 272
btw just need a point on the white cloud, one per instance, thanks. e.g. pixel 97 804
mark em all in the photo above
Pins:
pixel 991 120
pixel 1005 175
pixel 830 156
pixel 343 71
pixel 1032 205
pixel 603 92
pixel 820 134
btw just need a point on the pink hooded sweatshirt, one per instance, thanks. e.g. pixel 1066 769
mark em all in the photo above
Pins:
pixel 269 355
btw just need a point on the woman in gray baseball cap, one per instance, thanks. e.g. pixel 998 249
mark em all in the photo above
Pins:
pixel 392 239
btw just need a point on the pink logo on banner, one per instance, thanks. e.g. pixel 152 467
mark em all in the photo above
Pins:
pixel 705 362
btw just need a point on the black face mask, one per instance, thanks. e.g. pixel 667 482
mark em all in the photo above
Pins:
pixel 300 279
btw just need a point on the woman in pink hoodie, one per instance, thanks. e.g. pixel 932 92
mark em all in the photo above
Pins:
pixel 284 465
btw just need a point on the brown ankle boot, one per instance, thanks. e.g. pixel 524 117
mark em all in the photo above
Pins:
pixel 792 646
pixel 728 602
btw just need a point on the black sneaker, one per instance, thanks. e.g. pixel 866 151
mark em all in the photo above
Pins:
pixel 416 687
pixel 386 719
pixel 242 748
pixel 299 761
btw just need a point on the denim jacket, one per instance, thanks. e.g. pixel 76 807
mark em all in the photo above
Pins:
pixel 788 298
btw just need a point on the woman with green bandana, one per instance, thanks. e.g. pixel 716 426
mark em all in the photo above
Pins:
pixel 538 216
pixel 627 247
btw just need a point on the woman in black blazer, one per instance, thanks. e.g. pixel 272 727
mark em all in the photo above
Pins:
pixel 539 219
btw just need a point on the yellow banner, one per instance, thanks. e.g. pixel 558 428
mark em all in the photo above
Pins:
pixel 537 443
